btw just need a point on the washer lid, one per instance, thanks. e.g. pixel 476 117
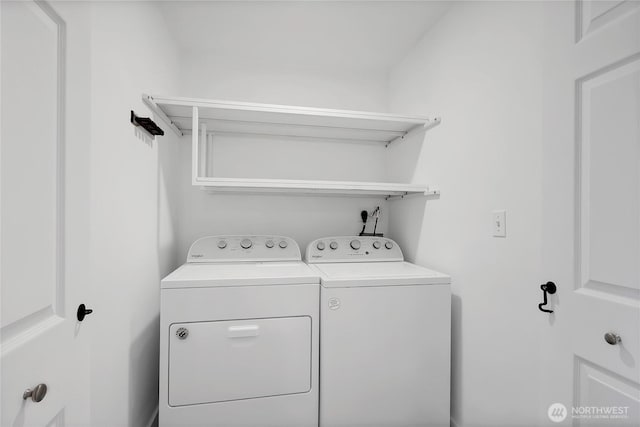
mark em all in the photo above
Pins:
pixel 194 275
pixel 344 275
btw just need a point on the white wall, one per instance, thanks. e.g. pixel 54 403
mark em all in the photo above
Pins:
pixel 206 75
pixel 132 231
pixel 303 218
pixel 480 68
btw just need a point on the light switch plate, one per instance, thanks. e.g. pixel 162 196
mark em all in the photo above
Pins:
pixel 499 219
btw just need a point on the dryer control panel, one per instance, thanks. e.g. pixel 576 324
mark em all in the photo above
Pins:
pixel 353 249
pixel 243 248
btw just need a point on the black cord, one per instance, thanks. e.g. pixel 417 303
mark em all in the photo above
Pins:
pixel 375 226
pixel 364 215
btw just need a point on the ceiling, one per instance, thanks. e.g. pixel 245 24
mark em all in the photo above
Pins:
pixel 352 35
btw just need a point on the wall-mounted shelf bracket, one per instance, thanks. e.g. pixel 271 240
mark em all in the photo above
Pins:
pixel 149 102
pixel 430 193
pixel 428 125
pixel 397 196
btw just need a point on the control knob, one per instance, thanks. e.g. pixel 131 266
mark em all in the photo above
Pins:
pixel 388 245
pixel 269 244
pixel 355 245
pixel 222 244
pixel 376 244
pixel 246 243
pixel 320 246
pixel 283 244
pixel 333 245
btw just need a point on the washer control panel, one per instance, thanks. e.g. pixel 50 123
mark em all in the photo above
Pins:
pixel 243 248
pixel 353 249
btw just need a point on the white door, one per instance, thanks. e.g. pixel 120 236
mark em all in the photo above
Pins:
pixel 591 214
pixel 43 217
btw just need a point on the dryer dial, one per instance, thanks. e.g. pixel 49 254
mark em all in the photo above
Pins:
pixel 246 243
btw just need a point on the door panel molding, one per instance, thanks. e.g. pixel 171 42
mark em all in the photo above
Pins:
pixel 595 384
pixel 595 266
pixel 50 314
pixel 58 420
pixel 590 19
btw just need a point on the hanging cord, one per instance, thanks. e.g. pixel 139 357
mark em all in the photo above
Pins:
pixel 364 215
pixel 376 213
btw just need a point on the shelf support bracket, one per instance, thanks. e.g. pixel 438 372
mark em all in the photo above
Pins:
pixel 430 193
pixel 396 196
pixel 204 149
pixel 149 102
pixel 430 124
pixel 195 169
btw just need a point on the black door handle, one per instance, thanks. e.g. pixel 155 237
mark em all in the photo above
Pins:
pixel 550 288
pixel 82 312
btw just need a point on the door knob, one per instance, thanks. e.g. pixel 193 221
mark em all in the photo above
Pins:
pixel 82 312
pixel 612 338
pixel 37 394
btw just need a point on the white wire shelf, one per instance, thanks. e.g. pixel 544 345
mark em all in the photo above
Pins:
pixel 308 187
pixel 286 121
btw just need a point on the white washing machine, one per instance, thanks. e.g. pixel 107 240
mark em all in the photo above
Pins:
pixel 239 328
pixel 385 335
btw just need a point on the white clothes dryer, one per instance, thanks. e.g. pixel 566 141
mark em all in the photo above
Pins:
pixel 239 331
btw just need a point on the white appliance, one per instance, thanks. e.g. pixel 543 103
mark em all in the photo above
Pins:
pixel 385 335
pixel 239 336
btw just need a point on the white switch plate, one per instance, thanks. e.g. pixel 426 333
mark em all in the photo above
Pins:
pixel 499 223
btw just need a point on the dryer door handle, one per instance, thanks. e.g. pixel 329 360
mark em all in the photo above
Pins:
pixel 243 331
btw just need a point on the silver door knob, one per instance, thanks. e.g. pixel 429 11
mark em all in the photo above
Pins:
pixel 37 394
pixel 612 338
